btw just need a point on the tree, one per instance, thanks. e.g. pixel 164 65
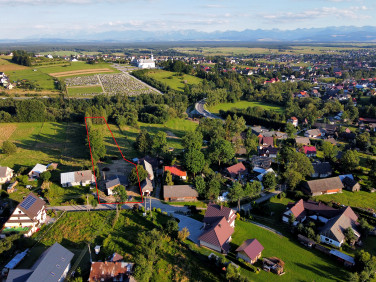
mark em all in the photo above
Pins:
pixel 172 227
pixel 159 145
pixel 23 179
pixel 192 140
pixel 9 148
pixel 252 188
pixel 330 151
pixel 269 181
pixel 221 151
pixel 363 141
pixel 232 272
pixel 143 142
pixel 97 147
pixel 350 160
pixel 120 194
pixel 200 185
pixel 290 130
pixel 183 234
pixel 251 143
pixel 349 235
pixel 142 174
pixel 214 189
pixel 236 193
pixel 292 176
pixel 291 219
pixel 45 176
pixel 30 110
pixel 168 178
pixel 194 161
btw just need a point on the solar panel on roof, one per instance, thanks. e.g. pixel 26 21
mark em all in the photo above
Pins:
pixel 28 202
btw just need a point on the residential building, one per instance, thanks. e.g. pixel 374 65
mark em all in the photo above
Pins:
pixel 237 171
pixel 302 141
pixel 313 133
pixel 176 171
pixel 269 152
pixel 309 151
pixel 28 215
pixel 37 170
pixel 52 266
pixel 250 250
pixel 112 183
pixel 147 187
pixel 111 271
pixel 6 174
pixel 317 187
pixel 219 224
pixel 351 184
pixel 265 142
pixel 294 121
pixel 262 162
pixel 76 178
pixel 322 170
pixel 183 193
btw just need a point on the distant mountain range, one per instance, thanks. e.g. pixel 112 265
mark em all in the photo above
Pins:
pixel 306 35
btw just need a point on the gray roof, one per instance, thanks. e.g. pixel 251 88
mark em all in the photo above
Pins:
pixel 52 264
pixel 149 169
pixel 147 185
pixel 112 182
pixel 325 184
pixel 3 171
pixel 322 168
pixel 302 140
pixel 177 191
pixel 18 275
pixel 77 176
pixel 336 226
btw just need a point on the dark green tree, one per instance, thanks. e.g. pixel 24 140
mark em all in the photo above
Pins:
pixel 194 161
pixel 9 147
pixel 192 140
pixel 236 193
pixel 142 174
pixel 200 185
pixel 143 142
pixel 221 151
pixel 269 181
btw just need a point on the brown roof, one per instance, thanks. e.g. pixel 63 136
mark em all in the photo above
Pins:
pixel 215 212
pixel 302 208
pixel 218 233
pixel 147 185
pixel 84 175
pixel 302 140
pixel 31 205
pixel 109 271
pixel 325 184
pixel 266 141
pixel 234 170
pixel 3 171
pixel 176 191
pixel 251 247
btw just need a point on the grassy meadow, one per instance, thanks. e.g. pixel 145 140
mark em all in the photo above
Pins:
pixel 171 79
pixel 243 105
pixel 361 199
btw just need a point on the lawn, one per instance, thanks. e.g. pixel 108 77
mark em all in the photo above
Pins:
pixel 301 264
pixel 6 65
pixel 77 91
pixel 75 229
pixel 74 66
pixel 39 78
pixel 172 79
pixel 243 105
pixel 359 199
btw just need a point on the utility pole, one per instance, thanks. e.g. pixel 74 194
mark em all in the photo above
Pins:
pixel 87 202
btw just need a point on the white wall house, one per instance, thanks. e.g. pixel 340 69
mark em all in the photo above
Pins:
pixel 6 174
pixel 77 178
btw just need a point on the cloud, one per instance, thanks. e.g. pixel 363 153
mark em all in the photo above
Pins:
pixel 352 13
pixel 56 2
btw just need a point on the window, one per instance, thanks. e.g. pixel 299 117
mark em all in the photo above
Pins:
pixel 52 273
pixel 58 265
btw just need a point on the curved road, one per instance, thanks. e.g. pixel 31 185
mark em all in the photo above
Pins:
pixel 200 108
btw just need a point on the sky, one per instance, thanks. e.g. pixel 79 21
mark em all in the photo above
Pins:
pixel 22 19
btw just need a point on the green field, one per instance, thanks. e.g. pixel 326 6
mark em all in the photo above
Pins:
pixel 243 105
pixel 359 199
pixel 301 264
pixel 172 79
pixel 77 91
pixel 74 66
pixel 37 77
pixel 174 262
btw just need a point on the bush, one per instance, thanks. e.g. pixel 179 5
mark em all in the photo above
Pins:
pixel 237 216
pixel 9 148
pixel 159 210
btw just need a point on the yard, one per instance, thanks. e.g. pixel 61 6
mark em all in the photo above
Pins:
pixel 243 105
pixel 172 79
pixel 359 199
pixel 75 229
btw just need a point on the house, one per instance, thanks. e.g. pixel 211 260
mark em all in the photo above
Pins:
pixel 112 183
pixel 301 210
pixel 302 141
pixel 6 174
pixel 29 214
pixel 183 193
pixel 237 171
pixel 111 271
pixel 309 151
pixel 322 170
pixel 147 187
pixel 313 133
pixel 265 142
pixel 350 184
pixel 330 185
pixel 76 178
pixel 262 172
pixel 176 171
pixel 11 187
pixel 332 232
pixel 149 169
pixel 219 225
pixel 294 121
pixel 53 265
pixel 37 170
pixel 262 162
pixel 250 250
pixel 269 152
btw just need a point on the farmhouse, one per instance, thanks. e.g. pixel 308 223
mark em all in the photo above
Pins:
pixel 6 174
pixel 219 224
pixel 147 186
pixel 149 169
pixel 322 170
pixel 76 178
pixel 349 182
pixel 250 250
pixel 184 193
pixel 52 266
pixel 37 170
pixel 28 215
pixel 330 185
pixel 237 171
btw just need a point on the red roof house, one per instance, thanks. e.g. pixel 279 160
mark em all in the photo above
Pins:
pixel 176 171
pixel 309 151
pixel 250 250
pixel 217 236
pixel 236 170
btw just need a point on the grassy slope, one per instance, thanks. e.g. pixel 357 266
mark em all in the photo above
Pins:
pixel 360 199
pixel 43 80
pixel 176 82
pixel 75 66
pixel 300 264
pixel 243 105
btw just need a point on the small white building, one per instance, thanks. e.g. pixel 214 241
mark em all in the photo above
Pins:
pixel 6 174
pixel 37 170
pixel 146 63
pixel 77 178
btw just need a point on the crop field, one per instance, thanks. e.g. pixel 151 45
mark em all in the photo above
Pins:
pixel 79 72
pixel 173 80
pixel 243 105
pixel 6 65
pixel 75 66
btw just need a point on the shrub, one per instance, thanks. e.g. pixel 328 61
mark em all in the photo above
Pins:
pixel 159 210
pixel 237 216
pixel 9 148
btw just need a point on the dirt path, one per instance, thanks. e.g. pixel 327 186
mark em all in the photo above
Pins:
pixel 78 72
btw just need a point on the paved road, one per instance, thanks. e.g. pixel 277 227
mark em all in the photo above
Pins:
pixel 247 207
pixel 194 226
pixel 199 107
